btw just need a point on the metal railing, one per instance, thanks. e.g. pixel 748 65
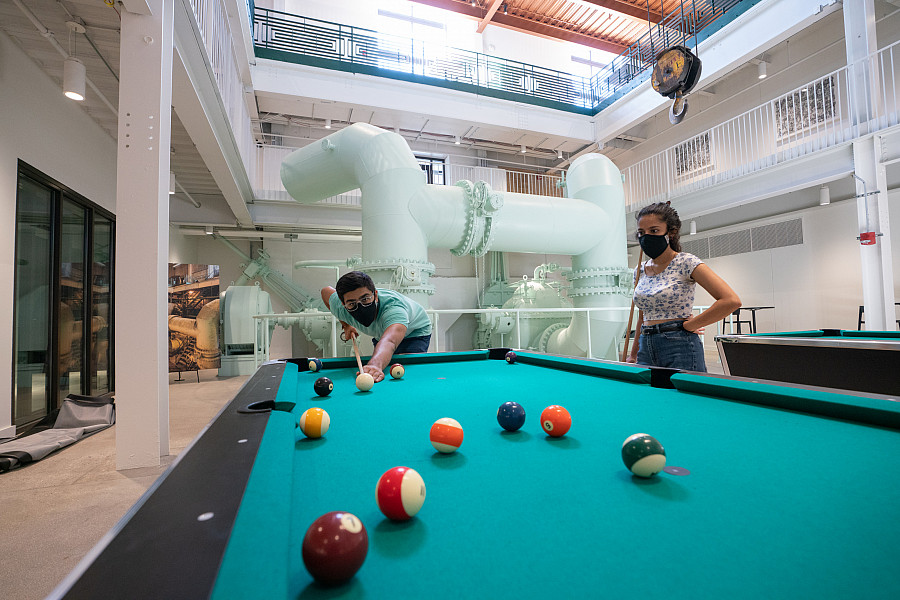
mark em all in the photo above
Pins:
pixel 688 25
pixel 266 323
pixel 267 183
pixel 294 38
pixel 332 45
pixel 813 117
pixel 212 21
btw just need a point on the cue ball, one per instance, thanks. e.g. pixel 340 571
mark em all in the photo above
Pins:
pixel 315 365
pixel 323 386
pixel 446 435
pixel 314 422
pixel 556 420
pixel 643 455
pixel 511 357
pixel 397 370
pixel 335 547
pixel 400 493
pixel 364 382
pixel 511 416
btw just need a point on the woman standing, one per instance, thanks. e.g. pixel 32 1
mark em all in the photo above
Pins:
pixel 665 295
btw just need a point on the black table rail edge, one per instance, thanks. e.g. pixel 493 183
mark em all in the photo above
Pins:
pixel 182 557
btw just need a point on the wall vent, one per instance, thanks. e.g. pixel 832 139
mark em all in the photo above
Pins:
pixel 763 237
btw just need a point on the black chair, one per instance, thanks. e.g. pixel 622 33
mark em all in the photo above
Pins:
pixel 862 320
pixel 738 322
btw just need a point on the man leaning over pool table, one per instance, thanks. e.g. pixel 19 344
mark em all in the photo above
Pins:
pixel 397 324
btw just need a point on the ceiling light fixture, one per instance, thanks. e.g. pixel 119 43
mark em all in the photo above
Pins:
pixel 210 230
pixel 693 227
pixel 824 195
pixel 171 182
pixel 456 140
pixel 74 74
pixel 523 149
pixel 559 154
pixel 327 123
pixel 761 69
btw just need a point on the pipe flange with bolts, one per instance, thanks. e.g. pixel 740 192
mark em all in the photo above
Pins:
pixel 483 206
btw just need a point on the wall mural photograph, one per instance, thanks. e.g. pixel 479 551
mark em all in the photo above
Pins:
pixel 193 317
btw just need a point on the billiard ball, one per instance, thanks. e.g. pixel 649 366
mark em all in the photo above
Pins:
pixel 397 370
pixel 511 416
pixel 315 365
pixel 314 422
pixel 643 455
pixel 446 435
pixel 364 382
pixel 400 493
pixel 556 420
pixel 511 357
pixel 323 386
pixel 335 547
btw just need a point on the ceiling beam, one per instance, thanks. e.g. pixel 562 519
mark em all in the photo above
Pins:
pixel 627 9
pixel 491 9
pixel 527 26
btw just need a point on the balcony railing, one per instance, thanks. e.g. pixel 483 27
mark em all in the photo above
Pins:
pixel 813 117
pixel 293 38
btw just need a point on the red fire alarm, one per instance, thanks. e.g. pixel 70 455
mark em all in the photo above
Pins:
pixel 867 238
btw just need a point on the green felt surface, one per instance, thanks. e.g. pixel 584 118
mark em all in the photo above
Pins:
pixel 778 504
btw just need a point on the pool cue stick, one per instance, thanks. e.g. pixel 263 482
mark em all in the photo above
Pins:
pixel 631 312
pixel 356 351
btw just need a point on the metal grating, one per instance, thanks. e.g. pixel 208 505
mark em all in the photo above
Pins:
pixel 764 237
pixel 736 242
pixel 777 235
pixel 699 248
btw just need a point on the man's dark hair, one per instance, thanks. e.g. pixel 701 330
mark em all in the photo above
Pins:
pixel 353 281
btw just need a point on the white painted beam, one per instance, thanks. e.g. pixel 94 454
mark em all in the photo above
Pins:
pixel 287 81
pixel 760 28
pixel 142 237
pixel 196 99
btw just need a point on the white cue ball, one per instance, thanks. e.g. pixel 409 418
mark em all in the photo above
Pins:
pixel 364 382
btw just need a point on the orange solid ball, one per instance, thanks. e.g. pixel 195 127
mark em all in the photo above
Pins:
pixel 556 420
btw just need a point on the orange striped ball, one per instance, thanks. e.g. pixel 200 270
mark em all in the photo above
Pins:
pixel 446 435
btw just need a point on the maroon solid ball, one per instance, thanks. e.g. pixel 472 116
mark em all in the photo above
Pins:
pixel 335 547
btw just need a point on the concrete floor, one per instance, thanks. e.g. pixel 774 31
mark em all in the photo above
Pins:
pixel 52 512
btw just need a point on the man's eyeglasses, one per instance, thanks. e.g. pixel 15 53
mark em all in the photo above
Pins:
pixel 364 301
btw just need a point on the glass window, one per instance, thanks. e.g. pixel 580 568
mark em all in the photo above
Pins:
pixel 101 307
pixel 70 333
pixel 31 340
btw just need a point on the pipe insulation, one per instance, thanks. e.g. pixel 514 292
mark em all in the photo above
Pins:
pixel 205 330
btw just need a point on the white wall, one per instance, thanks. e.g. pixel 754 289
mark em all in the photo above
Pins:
pixel 53 134
pixel 814 285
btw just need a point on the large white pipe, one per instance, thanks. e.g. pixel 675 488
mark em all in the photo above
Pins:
pixel 402 217
pixel 600 275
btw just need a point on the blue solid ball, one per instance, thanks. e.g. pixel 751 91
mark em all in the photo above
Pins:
pixel 315 365
pixel 511 416
pixel 511 357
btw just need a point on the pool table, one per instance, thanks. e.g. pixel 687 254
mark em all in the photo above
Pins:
pixel 785 491
pixel 865 361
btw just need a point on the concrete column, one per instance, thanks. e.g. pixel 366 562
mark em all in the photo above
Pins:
pixel 872 213
pixel 142 235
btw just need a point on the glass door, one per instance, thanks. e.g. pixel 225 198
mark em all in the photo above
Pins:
pixel 101 307
pixel 34 278
pixel 71 322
